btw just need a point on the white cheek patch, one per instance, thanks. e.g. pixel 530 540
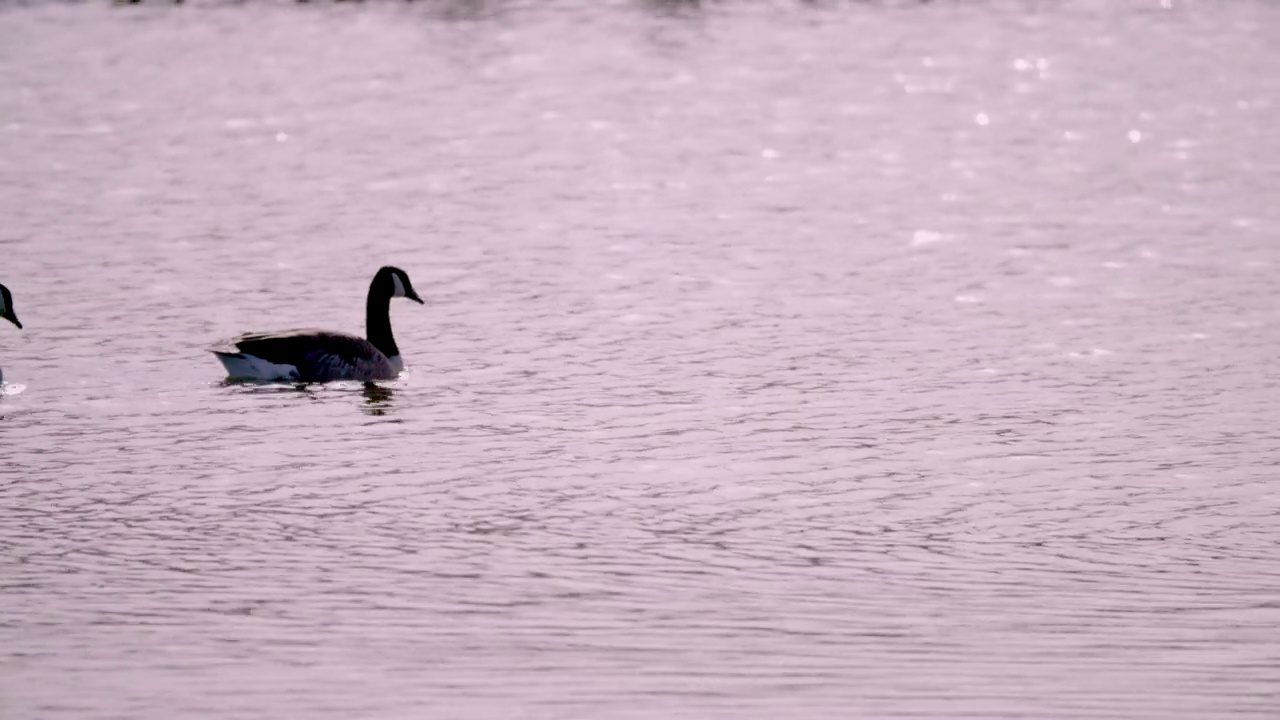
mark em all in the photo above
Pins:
pixel 399 292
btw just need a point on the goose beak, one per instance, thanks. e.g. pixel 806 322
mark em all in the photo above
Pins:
pixel 14 318
pixel 411 295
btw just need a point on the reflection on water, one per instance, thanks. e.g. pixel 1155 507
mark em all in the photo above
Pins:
pixel 817 359
pixel 378 399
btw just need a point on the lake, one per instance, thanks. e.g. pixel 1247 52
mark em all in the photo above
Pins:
pixel 779 359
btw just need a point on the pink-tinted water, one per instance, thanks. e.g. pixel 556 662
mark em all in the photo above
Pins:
pixel 780 360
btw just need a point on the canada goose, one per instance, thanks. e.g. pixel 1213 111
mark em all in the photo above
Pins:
pixel 6 312
pixel 318 355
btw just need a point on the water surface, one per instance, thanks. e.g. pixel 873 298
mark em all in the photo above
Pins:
pixel 820 361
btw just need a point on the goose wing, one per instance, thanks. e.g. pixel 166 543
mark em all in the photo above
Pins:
pixel 318 355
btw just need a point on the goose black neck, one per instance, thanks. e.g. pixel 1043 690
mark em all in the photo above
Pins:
pixel 377 321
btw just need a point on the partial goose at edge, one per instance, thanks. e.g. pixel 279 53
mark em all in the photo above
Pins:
pixel 6 312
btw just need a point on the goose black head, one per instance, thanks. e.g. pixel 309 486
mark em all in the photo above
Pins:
pixel 6 306
pixel 396 281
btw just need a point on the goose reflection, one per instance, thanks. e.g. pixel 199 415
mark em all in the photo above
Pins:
pixel 378 400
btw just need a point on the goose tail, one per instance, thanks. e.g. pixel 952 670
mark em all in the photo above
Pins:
pixel 243 366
